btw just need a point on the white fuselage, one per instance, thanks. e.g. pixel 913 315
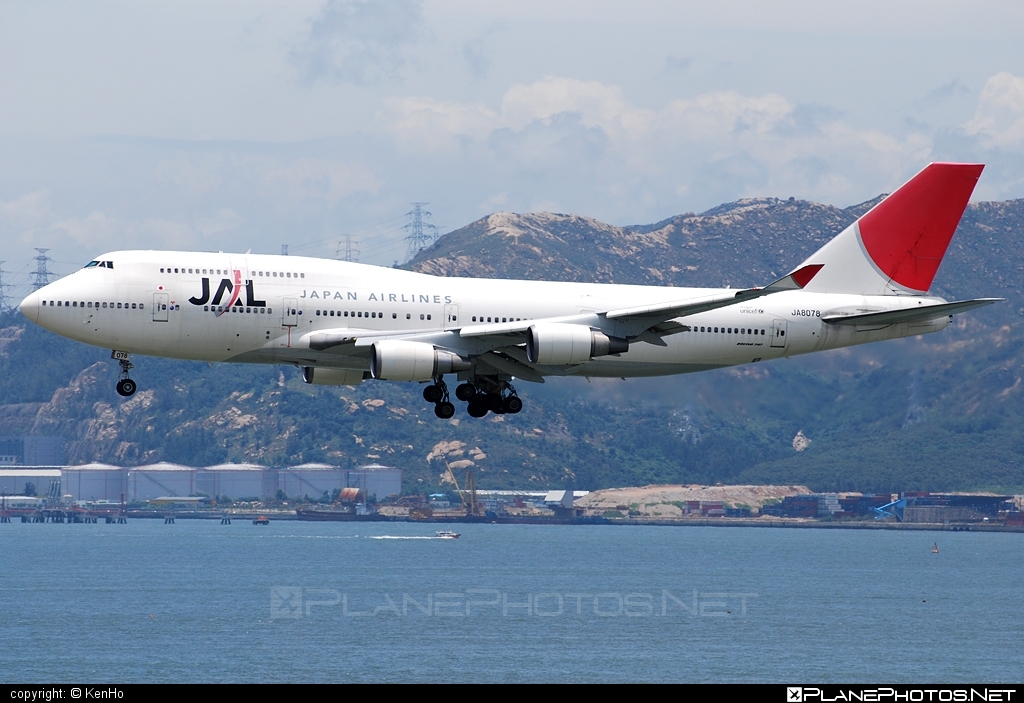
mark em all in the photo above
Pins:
pixel 156 303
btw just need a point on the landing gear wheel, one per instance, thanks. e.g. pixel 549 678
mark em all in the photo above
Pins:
pixel 476 408
pixel 513 404
pixel 126 387
pixel 466 392
pixel 444 410
pixel 495 403
pixel 433 394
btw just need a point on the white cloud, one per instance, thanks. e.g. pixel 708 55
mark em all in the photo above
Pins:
pixel 426 124
pixel 97 226
pixel 559 137
pixel 596 103
pixel 999 119
pixel 359 41
pixel 26 212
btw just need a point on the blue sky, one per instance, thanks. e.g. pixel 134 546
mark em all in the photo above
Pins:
pixel 230 126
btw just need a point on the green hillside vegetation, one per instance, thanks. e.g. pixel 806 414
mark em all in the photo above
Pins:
pixel 940 412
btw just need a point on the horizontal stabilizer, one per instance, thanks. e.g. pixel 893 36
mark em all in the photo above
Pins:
pixel 921 312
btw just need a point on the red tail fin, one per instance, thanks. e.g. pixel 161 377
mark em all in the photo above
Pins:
pixel 907 234
pixel 897 247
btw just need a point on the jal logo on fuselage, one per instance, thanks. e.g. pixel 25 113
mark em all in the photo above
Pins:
pixel 232 290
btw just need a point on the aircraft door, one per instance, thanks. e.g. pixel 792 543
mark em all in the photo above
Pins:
pixel 290 312
pixel 160 301
pixel 451 316
pixel 779 333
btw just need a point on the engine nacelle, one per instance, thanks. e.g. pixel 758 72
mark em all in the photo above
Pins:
pixel 399 360
pixel 557 344
pixel 324 376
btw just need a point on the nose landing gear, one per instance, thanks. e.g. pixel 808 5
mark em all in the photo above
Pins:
pixel 126 387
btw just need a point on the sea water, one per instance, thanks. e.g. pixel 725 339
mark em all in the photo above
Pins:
pixel 198 601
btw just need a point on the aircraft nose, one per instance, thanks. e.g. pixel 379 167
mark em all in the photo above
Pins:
pixel 30 307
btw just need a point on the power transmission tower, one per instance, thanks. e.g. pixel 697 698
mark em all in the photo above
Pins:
pixel 3 297
pixel 41 274
pixel 421 234
pixel 345 250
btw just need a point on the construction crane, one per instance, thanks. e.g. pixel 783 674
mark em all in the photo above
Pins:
pixel 470 507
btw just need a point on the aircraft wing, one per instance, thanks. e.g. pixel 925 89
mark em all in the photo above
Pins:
pixel 497 343
pixel 921 312
pixel 666 311
pixel 632 322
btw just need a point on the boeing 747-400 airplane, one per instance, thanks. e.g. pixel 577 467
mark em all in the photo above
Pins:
pixel 344 322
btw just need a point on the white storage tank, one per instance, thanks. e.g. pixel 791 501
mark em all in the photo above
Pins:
pixel 311 480
pixel 236 481
pixel 376 480
pixel 95 482
pixel 159 480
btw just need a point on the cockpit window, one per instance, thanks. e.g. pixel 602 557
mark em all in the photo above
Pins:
pixel 92 264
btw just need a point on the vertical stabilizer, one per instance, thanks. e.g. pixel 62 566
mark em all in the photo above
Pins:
pixel 896 247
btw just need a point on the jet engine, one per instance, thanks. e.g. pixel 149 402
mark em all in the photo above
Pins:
pixel 399 360
pixel 324 376
pixel 556 344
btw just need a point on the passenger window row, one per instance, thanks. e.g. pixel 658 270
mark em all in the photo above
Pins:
pixel 373 315
pixel 236 308
pixel 497 319
pixel 730 330
pixel 83 304
pixel 225 272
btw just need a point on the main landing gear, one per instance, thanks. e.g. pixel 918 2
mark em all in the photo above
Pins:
pixel 498 397
pixel 437 393
pixel 482 395
pixel 126 387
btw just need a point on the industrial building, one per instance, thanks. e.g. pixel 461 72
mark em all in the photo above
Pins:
pixel 38 479
pixel 945 508
pixel 29 450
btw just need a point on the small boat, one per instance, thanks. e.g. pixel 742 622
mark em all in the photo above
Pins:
pixel 447 534
pixel 261 520
pixel 935 548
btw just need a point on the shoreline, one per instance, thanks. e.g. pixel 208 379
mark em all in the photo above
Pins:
pixel 776 523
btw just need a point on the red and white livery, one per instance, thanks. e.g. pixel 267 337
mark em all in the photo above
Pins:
pixel 343 322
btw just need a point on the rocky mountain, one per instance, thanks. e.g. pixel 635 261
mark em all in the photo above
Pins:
pixel 940 412
pixel 747 240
